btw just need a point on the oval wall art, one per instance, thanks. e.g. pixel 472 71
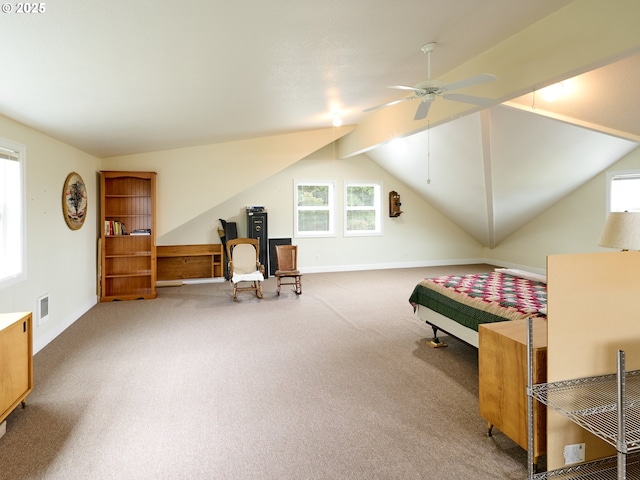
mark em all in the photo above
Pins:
pixel 74 201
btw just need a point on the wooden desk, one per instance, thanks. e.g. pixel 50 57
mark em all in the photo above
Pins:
pixel 177 262
pixel 502 365
pixel 16 361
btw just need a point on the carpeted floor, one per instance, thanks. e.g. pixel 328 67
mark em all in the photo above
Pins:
pixel 337 383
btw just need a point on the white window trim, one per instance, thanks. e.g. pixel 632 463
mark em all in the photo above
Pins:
pixel 331 208
pixel 21 274
pixel 377 208
pixel 609 179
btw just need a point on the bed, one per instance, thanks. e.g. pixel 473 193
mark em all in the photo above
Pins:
pixel 457 304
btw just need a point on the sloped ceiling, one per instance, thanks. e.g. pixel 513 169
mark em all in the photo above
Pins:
pixel 493 171
pixel 119 78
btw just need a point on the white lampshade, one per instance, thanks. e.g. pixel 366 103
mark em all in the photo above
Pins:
pixel 621 230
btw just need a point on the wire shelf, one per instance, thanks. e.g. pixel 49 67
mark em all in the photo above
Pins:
pixel 603 469
pixel 592 403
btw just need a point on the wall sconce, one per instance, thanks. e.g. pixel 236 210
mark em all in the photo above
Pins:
pixel 621 230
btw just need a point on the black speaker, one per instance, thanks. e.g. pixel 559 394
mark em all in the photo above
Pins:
pixel 257 228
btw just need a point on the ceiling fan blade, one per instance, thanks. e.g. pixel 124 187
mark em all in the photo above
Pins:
pixel 404 87
pixel 395 102
pixel 423 109
pixel 469 82
pixel 460 97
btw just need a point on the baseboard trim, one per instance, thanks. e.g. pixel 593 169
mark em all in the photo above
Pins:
pixel 45 339
pixel 418 264
pixel 387 266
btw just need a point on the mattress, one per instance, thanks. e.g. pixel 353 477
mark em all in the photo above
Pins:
pixel 482 297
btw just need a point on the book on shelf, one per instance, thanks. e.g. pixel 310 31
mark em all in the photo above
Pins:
pixel 141 231
pixel 114 227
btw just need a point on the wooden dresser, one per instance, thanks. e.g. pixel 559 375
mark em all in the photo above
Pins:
pixel 16 361
pixel 502 365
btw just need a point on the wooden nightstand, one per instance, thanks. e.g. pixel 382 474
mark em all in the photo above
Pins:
pixel 502 365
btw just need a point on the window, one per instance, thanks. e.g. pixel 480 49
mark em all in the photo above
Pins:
pixel 624 191
pixel 362 214
pixel 314 213
pixel 12 213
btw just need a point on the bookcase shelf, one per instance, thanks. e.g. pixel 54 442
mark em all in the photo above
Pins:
pixel 127 262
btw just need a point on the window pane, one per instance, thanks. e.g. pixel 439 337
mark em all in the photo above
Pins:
pixel 313 220
pixel 361 196
pixel 313 195
pixel 361 220
pixel 363 214
pixel 11 218
pixel 625 193
pixel 313 212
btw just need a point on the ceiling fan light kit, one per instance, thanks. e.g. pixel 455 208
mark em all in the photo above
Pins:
pixel 428 90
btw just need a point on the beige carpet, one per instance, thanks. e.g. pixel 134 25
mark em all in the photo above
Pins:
pixel 337 383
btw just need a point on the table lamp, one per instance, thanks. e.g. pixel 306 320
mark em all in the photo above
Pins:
pixel 621 230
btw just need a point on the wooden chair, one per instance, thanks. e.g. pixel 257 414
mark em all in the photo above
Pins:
pixel 244 266
pixel 287 257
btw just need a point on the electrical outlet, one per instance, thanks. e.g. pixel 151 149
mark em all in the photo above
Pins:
pixel 317 257
pixel 573 453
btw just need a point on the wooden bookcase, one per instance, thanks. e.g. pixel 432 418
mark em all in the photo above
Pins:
pixel 127 259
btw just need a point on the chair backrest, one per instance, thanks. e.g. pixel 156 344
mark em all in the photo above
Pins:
pixel 287 256
pixel 244 253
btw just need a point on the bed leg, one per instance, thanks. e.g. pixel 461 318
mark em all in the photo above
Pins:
pixel 435 342
pixel 489 429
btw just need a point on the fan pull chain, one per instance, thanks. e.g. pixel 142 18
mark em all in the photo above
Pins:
pixel 428 152
pixel 533 100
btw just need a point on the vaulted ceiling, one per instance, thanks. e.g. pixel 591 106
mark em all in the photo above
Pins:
pixel 123 77
pixel 493 171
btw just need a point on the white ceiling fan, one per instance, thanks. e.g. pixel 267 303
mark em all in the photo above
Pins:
pixel 429 89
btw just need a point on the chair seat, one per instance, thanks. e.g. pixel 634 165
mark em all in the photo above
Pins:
pixel 288 273
pixel 247 277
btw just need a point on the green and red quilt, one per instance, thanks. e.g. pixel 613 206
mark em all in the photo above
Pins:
pixel 481 297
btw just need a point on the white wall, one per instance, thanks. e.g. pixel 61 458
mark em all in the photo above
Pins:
pixel 192 180
pixel 420 236
pixel 60 262
pixel 573 225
